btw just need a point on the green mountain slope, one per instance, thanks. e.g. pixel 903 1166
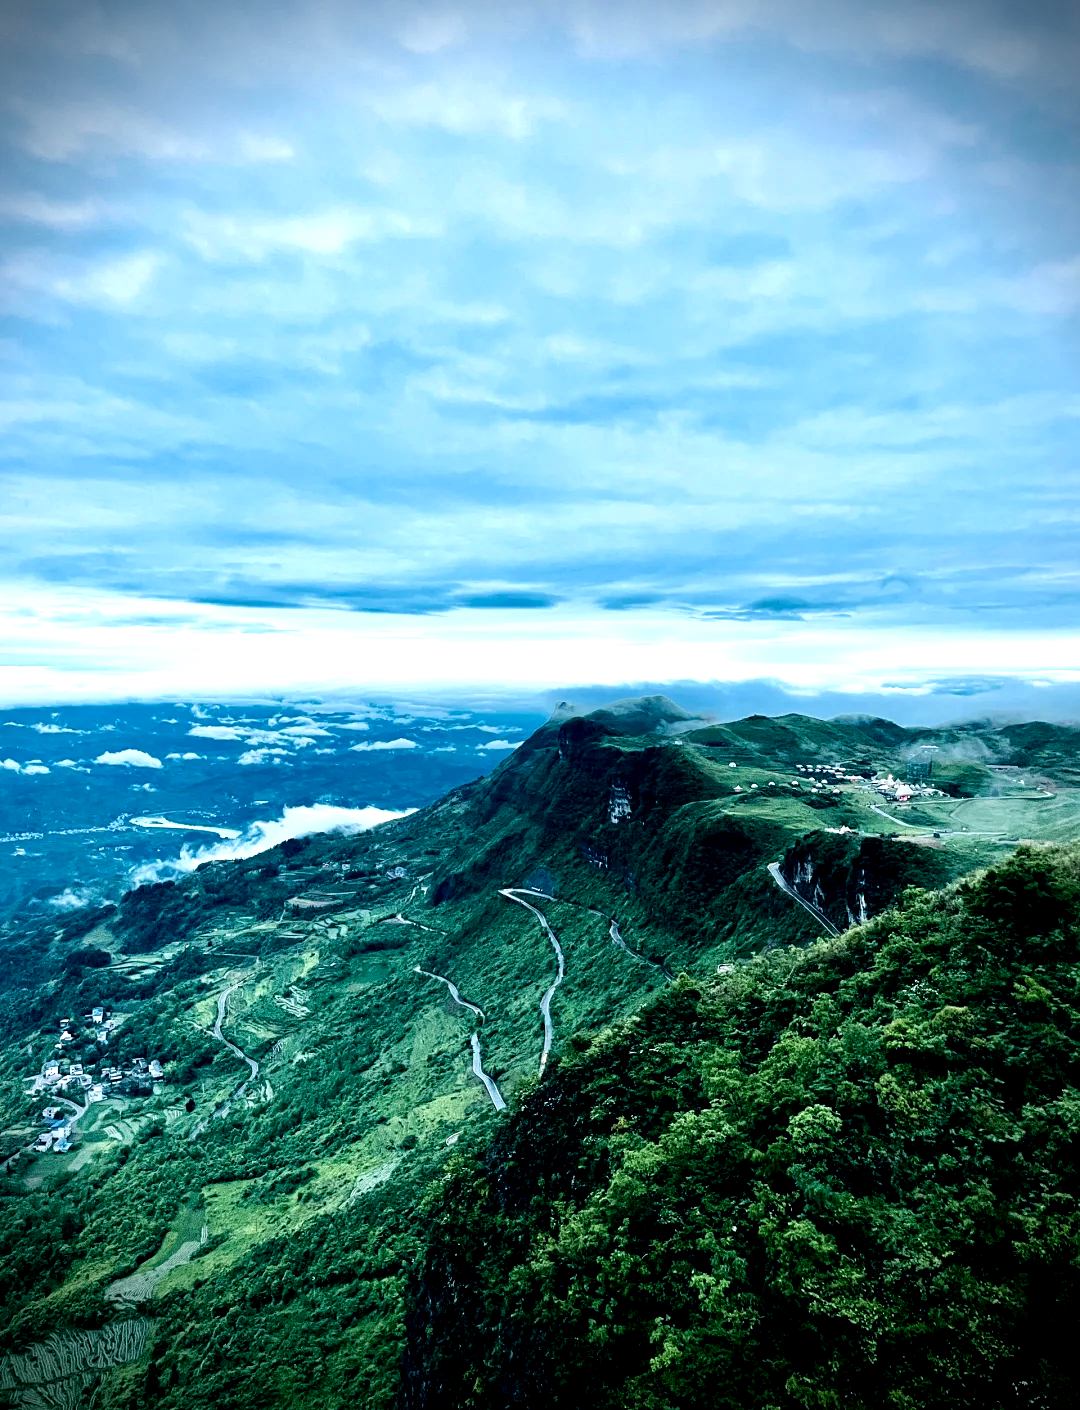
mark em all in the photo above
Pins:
pixel 841 1176
pixel 341 1021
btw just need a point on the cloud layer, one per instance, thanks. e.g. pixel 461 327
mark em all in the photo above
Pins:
pixel 744 313
pixel 260 836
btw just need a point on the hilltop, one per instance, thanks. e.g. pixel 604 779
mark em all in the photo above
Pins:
pixel 338 1019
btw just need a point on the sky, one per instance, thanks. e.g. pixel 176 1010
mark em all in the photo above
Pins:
pixel 522 347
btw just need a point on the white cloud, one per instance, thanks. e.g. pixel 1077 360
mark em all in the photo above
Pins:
pixel 229 732
pixel 57 132
pixel 467 108
pixel 356 724
pixel 70 764
pixel 497 744
pixel 253 148
pixel 130 758
pixel 260 756
pixel 58 215
pixel 325 233
pixel 183 756
pixel 1051 288
pixel 116 282
pixel 16 768
pixel 260 836
pixel 73 899
pixel 445 749
pixel 430 33
pixel 385 744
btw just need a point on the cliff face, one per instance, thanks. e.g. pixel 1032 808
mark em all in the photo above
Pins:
pixel 851 879
pixel 645 819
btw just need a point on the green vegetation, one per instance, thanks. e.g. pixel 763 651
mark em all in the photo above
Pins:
pixel 832 1170
pixel 841 1176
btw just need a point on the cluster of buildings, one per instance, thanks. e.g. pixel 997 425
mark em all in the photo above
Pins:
pixel 828 778
pixel 96 1020
pixel 897 791
pixel 58 1135
pixel 826 775
pixel 132 1077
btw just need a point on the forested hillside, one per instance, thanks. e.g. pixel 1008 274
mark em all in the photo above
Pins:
pixel 840 1176
pixel 553 1094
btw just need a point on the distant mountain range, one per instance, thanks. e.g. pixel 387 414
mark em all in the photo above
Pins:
pixel 669 1064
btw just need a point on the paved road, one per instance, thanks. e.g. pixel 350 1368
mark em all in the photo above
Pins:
pixel 477 1065
pixel 919 827
pixel 400 919
pixel 820 916
pixel 617 938
pixel 223 999
pixel 515 894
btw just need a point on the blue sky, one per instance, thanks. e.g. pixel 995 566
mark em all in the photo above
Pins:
pixel 449 345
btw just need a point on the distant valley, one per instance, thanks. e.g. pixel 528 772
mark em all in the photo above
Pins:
pixel 86 791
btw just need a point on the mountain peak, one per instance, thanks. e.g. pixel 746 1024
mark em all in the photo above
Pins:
pixel 636 715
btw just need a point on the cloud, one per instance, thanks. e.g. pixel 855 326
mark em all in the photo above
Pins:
pixel 261 835
pixel 188 755
pixel 130 758
pixel 439 312
pixel 958 685
pixel 55 729
pixel 262 756
pixel 58 215
pixel 427 33
pixel 468 109
pixel 70 764
pixel 14 767
pixel 219 732
pixel 74 898
pixel 323 233
pixel 497 744
pixel 384 744
pixel 112 282
pixel 58 132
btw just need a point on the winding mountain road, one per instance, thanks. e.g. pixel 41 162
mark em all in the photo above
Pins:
pixel 634 954
pixel 514 893
pixel 477 1065
pixel 223 999
pixel 789 890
